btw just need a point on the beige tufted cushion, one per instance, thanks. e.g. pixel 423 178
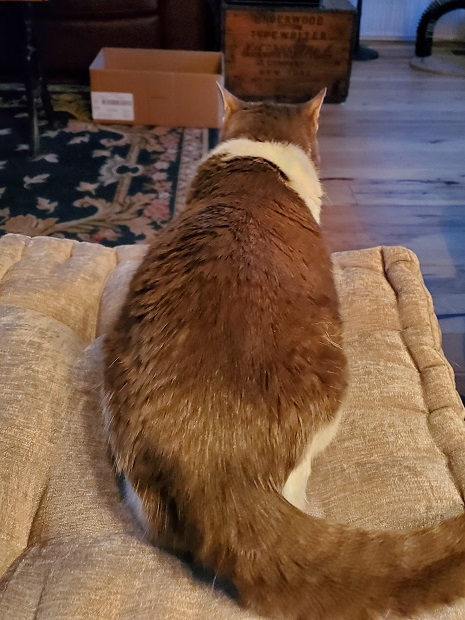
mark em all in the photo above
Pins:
pixel 68 549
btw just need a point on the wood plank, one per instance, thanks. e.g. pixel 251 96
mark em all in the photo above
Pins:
pixel 434 196
pixel 393 168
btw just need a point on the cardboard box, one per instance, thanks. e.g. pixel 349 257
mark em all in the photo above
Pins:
pixel 171 88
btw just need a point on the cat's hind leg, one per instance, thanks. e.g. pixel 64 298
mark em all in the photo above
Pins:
pixel 157 518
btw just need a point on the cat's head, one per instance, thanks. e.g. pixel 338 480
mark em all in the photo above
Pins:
pixel 265 121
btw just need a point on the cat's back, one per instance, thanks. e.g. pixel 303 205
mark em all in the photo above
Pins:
pixel 240 287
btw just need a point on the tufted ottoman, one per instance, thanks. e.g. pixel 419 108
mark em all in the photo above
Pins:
pixel 69 550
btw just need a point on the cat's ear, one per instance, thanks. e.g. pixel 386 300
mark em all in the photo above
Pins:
pixel 311 109
pixel 230 102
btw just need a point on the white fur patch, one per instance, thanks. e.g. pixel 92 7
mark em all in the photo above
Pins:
pixel 290 158
pixel 136 506
pixel 295 487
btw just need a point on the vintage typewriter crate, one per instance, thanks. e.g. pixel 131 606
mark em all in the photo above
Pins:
pixel 288 53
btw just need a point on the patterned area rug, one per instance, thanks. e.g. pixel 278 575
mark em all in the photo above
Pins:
pixel 109 184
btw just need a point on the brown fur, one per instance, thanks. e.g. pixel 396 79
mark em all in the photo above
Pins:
pixel 226 360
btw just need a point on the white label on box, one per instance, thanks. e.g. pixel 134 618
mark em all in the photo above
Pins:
pixel 112 106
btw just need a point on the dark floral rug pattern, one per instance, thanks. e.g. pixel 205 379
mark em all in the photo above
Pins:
pixel 109 184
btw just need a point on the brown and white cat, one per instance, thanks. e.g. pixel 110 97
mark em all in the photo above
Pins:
pixel 225 374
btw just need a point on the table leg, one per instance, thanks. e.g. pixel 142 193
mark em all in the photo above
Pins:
pixel 30 81
pixel 35 84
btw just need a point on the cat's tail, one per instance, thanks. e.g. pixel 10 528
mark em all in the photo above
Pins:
pixel 290 566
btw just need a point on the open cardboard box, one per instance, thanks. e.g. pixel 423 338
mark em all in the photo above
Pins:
pixel 171 88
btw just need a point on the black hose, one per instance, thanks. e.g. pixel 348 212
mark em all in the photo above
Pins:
pixel 425 30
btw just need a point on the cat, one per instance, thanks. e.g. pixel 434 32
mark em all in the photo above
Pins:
pixel 225 374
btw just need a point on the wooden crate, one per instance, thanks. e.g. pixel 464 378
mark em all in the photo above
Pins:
pixel 288 54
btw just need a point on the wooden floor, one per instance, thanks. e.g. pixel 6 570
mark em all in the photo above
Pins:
pixel 393 166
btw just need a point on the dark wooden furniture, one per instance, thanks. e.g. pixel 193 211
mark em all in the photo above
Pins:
pixel 72 32
pixel 288 53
